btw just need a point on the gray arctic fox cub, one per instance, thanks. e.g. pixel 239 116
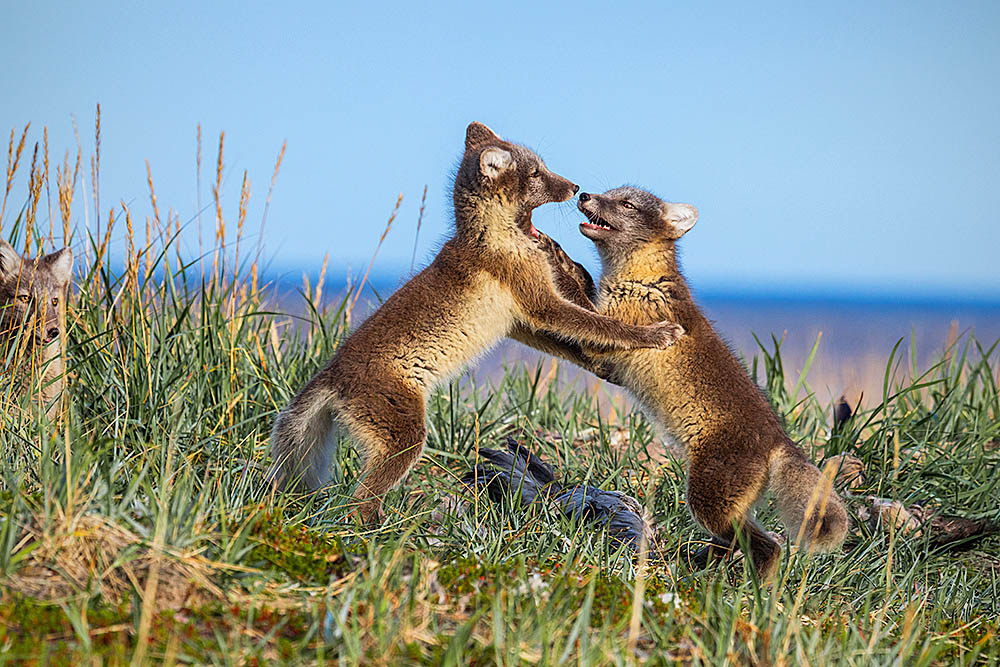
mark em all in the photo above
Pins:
pixel 489 278
pixel 697 391
pixel 30 294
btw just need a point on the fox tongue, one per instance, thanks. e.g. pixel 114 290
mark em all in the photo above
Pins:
pixel 531 227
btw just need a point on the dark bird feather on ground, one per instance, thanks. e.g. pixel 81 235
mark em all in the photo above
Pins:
pixel 943 531
pixel 512 473
pixel 841 413
pixel 620 513
pixel 913 521
pixel 517 474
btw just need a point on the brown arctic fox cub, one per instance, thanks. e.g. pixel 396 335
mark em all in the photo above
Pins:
pixel 485 280
pixel 696 390
pixel 30 293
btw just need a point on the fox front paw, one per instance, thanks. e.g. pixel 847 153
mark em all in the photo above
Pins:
pixel 668 333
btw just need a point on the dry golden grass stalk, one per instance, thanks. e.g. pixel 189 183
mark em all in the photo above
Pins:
pixel 66 187
pixel 420 220
pixel 149 255
pixel 87 554
pixel 267 202
pixel 45 179
pixel 240 221
pixel 132 266
pixel 96 165
pixel 177 234
pixel 220 223
pixel 102 247
pixel 153 580
pixel 34 195
pixel 86 210
pixel 201 247
pixel 156 217
pixel 388 226
pixel 13 158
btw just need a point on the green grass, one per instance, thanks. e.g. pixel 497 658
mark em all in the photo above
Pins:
pixel 154 478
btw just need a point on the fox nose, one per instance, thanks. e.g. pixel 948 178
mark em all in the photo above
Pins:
pixel 52 333
pixel 584 196
pixel 576 188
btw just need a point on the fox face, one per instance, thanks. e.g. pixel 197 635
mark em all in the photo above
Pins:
pixel 510 175
pixel 30 293
pixel 623 219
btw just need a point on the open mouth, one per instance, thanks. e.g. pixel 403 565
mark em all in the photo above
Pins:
pixel 595 221
pixel 528 227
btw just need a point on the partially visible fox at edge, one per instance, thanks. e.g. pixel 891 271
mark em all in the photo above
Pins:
pixel 488 279
pixel 31 290
pixel 696 390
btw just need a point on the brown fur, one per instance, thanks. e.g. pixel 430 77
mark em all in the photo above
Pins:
pixel 31 292
pixel 696 390
pixel 488 278
pixel 575 285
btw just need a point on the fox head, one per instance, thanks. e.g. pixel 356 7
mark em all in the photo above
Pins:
pixel 30 293
pixel 622 220
pixel 504 175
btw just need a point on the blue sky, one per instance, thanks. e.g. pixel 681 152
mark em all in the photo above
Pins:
pixel 847 146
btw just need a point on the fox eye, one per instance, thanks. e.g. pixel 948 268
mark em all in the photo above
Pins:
pixel 24 298
pixel 55 301
pixel 629 205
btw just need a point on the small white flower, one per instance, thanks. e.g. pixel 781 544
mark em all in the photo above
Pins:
pixel 534 584
pixel 668 598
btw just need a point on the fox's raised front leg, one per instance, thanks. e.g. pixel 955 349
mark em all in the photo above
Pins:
pixel 564 319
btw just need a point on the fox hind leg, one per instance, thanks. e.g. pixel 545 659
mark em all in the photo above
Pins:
pixel 715 548
pixel 721 501
pixel 764 551
pixel 393 441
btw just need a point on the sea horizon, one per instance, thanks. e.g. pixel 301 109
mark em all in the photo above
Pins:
pixel 854 334
pixel 385 280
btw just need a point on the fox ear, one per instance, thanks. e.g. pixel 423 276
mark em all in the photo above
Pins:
pixel 477 134
pixel 10 260
pixel 680 217
pixel 61 264
pixel 494 161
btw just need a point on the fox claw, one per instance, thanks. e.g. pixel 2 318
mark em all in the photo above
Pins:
pixel 670 332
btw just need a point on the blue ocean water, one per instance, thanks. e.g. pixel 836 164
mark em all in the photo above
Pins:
pixel 856 334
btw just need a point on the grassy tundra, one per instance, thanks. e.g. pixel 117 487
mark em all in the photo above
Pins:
pixel 136 527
